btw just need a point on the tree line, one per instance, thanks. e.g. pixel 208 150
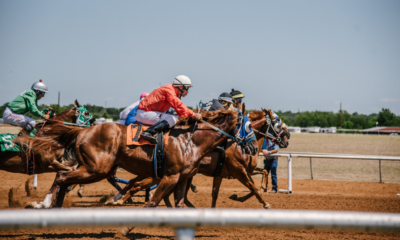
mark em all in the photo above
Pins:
pixel 300 119
pixel 348 121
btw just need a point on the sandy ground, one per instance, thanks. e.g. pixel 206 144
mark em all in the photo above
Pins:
pixel 308 194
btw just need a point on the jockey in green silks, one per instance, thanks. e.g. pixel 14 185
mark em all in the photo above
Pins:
pixel 26 102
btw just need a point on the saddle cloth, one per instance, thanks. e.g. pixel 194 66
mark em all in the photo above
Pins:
pixel 133 136
pixel 6 143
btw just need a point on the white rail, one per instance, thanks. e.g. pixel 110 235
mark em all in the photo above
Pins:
pixel 186 220
pixel 290 155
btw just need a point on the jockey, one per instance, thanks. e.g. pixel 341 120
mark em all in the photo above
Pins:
pixel 237 97
pixel 26 102
pixel 224 101
pixel 123 116
pixel 152 110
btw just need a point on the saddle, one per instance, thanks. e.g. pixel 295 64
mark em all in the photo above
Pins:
pixel 133 138
pixel 133 135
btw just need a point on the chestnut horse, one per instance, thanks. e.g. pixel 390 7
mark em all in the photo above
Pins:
pixel 101 149
pixel 16 162
pixel 238 165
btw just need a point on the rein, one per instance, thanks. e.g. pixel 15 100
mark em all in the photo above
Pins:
pixel 224 133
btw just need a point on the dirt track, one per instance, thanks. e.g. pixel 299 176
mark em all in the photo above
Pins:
pixel 308 194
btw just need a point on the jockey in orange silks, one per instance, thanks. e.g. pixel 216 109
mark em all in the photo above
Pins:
pixel 152 110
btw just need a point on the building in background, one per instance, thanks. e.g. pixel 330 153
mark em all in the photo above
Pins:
pixel 294 129
pixel 328 130
pixel 103 120
pixel 312 129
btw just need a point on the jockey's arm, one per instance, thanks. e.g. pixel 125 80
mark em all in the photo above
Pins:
pixel 32 106
pixel 178 105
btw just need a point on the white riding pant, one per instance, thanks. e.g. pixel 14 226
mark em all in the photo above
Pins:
pixel 17 119
pixel 153 117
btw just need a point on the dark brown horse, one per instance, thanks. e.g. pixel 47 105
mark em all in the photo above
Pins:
pixel 16 162
pixel 100 149
pixel 238 165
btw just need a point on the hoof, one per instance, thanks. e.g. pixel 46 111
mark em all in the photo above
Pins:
pixel 80 193
pixel 109 202
pixel 267 206
pixel 34 205
pixel 233 197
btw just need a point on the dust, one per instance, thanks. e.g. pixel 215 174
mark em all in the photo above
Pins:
pixel 30 192
pixel 104 199
pixel 68 201
pixel 13 203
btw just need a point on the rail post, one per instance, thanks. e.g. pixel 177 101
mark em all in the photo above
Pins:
pixel 380 171
pixel 290 174
pixel 312 175
pixel 184 233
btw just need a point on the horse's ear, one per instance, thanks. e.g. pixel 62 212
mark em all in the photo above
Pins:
pixel 262 109
pixel 77 103
pixel 271 115
pixel 244 109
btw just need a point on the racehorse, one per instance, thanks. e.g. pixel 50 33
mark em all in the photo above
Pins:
pixel 17 162
pixel 238 165
pixel 101 149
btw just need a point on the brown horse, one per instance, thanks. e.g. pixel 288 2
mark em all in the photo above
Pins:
pixel 100 149
pixel 238 165
pixel 16 162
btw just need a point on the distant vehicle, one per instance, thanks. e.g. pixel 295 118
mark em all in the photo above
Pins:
pixel 394 134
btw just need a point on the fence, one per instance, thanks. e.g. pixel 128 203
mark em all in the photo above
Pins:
pixel 291 155
pixel 185 221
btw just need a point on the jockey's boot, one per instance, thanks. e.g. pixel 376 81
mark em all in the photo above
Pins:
pixel 148 134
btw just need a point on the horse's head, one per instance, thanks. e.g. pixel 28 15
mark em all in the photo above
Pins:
pixel 245 133
pixel 77 114
pixel 269 124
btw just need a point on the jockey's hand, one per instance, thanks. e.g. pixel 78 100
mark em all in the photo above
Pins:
pixel 197 116
pixel 47 116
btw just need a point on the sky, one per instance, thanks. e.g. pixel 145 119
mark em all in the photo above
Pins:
pixel 283 55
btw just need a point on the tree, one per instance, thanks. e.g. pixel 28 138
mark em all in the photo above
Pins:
pixel 105 115
pixel 387 118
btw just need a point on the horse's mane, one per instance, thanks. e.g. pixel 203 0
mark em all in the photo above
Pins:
pixel 208 116
pixel 256 115
pixel 57 137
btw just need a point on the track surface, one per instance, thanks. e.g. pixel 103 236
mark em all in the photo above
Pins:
pixel 308 194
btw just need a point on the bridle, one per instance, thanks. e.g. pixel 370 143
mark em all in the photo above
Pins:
pixel 278 134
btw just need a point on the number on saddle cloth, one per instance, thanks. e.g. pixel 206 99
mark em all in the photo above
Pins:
pixel 7 144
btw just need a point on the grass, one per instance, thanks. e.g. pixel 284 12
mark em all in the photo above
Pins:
pixel 342 169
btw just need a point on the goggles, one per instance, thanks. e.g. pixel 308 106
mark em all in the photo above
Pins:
pixel 40 93
pixel 237 100
pixel 224 103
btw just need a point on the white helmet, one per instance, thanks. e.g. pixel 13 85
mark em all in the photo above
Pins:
pixel 182 80
pixel 39 86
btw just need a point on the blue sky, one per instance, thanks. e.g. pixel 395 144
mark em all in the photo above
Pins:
pixel 283 55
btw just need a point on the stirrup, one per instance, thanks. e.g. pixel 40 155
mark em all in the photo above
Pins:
pixel 147 136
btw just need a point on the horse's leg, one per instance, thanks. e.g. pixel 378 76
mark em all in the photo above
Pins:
pixel 134 186
pixel 167 184
pixel 166 199
pixel 189 186
pixel 80 191
pixel 61 196
pixel 246 180
pixel 179 193
pixel 51 195
pixel 215 190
